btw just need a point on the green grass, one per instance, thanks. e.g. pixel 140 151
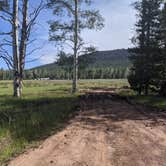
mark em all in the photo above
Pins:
pixel 44 109
pixel 152 100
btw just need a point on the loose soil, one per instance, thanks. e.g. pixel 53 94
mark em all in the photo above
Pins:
pixel 107 131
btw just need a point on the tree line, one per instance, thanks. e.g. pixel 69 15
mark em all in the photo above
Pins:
pixel 148 57
pixel 88 73
pixel 64 74
pixel 71 17
pixel 148 72
pixel 62 69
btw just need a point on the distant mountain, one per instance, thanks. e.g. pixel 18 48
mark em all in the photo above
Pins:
pixel 114 58
pixel 97 65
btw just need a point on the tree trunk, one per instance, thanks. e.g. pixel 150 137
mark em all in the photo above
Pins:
pixel 162 91
pixel 140 90
pixel 15 49
pixel 23 43
pixel 75 66
pixel 17 85
pixel 146 89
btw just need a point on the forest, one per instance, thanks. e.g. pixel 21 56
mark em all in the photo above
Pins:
pixel 149 63
pixel 97 65
pixel 94 94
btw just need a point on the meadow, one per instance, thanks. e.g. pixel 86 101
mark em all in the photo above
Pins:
pixel 46 108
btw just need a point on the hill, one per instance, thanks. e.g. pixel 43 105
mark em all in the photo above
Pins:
pixel 96 65
pixel 113 58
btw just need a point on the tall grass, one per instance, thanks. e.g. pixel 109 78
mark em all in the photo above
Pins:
pixel 45 108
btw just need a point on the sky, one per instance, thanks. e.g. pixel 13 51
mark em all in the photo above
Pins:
pixel 119 18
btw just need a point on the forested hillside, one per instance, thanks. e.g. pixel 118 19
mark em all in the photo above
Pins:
pixel 96 65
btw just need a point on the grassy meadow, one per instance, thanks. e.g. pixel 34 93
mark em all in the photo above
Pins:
pixel 44 109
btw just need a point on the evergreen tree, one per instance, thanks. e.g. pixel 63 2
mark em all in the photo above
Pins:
pixel 147 44
pixel 162 66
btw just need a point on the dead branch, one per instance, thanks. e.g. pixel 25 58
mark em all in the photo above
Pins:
pixel 5 33
pixel 34 16
pixel 6 19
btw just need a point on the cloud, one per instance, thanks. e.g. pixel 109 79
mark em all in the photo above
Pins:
pixel 119 21
pixel 47 58
pixel 45 54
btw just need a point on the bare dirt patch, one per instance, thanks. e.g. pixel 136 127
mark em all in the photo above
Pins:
pixel 107 132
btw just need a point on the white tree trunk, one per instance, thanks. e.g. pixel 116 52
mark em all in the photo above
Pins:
pixel 75 66
pixel 23 43
pixel 15 49
pixel 17 85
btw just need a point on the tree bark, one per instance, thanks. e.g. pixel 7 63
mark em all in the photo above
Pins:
pixel 17 84
pixel 140 90
pixel 23 42
pixel 15 49
pixel 147 89
pixel 75 66
pixel 162 91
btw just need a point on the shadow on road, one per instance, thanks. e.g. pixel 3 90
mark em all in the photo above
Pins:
pixel 102 108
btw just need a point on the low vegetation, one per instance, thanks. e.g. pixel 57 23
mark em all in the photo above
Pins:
pixel 152 100
pixel 45 108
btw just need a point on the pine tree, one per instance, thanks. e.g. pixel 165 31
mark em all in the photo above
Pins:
pixel 162 67
pixel 147 45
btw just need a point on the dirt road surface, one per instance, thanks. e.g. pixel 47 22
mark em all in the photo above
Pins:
pixel 106 132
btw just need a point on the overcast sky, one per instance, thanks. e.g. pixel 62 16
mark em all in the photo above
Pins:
pixel 119 21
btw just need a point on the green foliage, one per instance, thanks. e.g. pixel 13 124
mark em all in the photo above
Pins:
pixel 152 100
pixel 148 58
pixel 96 65
pixel 62 31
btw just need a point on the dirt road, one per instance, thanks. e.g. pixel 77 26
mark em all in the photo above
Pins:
pixel 105 133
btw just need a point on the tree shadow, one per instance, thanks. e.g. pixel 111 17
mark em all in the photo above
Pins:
pixel 33 119
pixel 103 111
